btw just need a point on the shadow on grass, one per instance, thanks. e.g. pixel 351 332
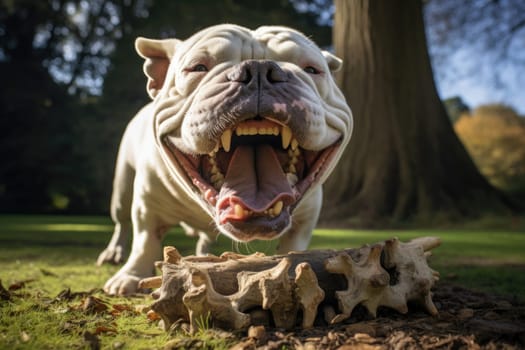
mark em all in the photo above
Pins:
pixel 490 260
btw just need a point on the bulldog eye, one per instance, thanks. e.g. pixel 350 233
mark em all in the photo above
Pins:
pixel 199 68
pixel 311 70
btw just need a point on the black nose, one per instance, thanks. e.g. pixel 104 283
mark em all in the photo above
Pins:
pixel 257 72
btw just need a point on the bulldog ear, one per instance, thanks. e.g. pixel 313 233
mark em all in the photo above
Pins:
pixel 334 62
pixel 157 54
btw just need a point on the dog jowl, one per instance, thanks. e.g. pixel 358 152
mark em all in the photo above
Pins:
pixel 243 128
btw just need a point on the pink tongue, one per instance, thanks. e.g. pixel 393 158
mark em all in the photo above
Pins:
pixel 255 179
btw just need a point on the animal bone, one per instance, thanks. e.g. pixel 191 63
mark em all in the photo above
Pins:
pixel 231 289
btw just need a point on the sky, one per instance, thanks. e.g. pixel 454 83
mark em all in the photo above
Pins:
pixel 465 73
pixel 478 50
pixel 481 89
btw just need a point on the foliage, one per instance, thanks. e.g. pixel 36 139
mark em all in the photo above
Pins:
pixel 59 134
pixel 468 39
pixel 494 135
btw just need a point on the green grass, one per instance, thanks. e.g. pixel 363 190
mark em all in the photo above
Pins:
pixel 57 253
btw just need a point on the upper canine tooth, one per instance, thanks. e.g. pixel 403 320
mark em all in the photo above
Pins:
pixel 226 139
pixel 286 136
pixel 277 208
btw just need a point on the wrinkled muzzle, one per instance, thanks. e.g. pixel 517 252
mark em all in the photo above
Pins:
pixel 254 140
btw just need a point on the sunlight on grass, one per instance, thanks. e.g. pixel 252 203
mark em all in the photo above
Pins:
pixel 53 254
pixel 61 227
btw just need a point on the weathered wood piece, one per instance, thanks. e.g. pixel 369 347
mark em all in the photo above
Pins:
pixel 231 289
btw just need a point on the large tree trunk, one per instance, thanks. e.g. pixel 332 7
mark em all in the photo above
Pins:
pixel 404 160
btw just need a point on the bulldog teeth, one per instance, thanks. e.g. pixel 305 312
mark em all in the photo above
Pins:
pixel 277 208
pixel 226 140
pixel 294 144
pixel 292 179
pixel 218 185
pixel 240 212
pixel 286 136
pixel 293 155
pixel 242 129
pixel 215 178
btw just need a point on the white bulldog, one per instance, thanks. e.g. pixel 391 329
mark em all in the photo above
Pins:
pixel 243 129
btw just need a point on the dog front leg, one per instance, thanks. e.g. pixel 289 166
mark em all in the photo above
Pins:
pixel 146 249
pixel 116 249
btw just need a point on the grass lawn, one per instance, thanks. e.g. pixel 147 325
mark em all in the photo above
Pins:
pixel 54 254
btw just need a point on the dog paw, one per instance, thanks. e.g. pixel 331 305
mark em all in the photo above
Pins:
pixel 123 283
pixel 111 255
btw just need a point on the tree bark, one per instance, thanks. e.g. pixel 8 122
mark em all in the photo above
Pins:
pixel 404 160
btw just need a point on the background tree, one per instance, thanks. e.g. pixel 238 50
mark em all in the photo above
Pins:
pixel 494 136
pixel 404 160
pixel 74 81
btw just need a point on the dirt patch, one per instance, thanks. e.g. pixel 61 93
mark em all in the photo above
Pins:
pixel 467 320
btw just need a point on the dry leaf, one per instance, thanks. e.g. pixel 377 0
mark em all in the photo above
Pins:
pixel 152 315
pixel 94 305
pixel 104 329
pixel 20 284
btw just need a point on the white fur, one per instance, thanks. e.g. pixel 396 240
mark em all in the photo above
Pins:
pixel 150 193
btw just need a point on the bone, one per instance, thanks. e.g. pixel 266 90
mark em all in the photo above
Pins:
pixel 308 293
pixel 226 290
pixel 151 282
pixel 171 255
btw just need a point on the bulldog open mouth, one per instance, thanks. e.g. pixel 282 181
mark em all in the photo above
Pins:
pixel 243 128
pixel 254 177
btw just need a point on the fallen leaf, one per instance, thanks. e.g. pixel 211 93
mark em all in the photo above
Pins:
pixel 104 329
pixel 20 284
pixel 123 307
pixel 152 315
pixel 64 295
pixel 67 295
pixel 117 309
pixel 93 305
